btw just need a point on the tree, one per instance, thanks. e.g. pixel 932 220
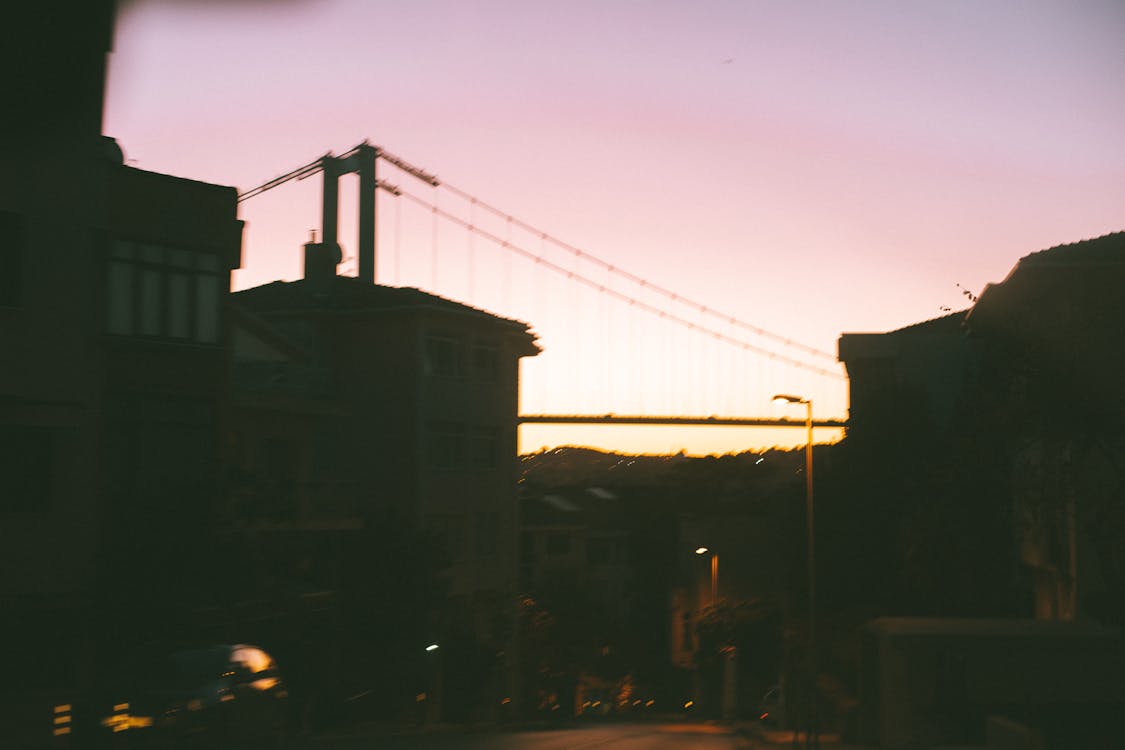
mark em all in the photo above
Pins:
pixel 753 628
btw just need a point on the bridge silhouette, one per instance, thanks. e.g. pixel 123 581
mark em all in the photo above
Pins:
pixel 618 348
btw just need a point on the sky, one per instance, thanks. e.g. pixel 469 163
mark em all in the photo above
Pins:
pixel 806 168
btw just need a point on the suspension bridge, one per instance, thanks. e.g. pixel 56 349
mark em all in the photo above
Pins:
pixel 618 347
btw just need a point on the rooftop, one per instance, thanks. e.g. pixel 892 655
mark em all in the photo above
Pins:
pixel 348 294
pixel 1109 248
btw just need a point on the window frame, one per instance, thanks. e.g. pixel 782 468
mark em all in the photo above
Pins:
pixel 485 360
pixel 147 275
pixel 444 355
pixel 445 436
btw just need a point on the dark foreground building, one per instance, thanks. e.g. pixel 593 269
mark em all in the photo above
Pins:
pixel 113 358
pixel 984 457
pixel 1015 403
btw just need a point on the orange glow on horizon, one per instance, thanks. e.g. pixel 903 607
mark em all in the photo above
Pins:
pixel 668 441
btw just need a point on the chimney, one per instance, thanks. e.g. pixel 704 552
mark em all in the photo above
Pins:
pixel 321 259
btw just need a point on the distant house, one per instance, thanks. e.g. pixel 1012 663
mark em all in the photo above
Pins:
pixel 355 400
pixel 578 538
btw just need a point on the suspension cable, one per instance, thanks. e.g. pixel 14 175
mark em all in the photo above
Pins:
pixel 641 304
pixel 638 280
pixel 312 167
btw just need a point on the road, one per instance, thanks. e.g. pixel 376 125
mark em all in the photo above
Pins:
pixel 654 736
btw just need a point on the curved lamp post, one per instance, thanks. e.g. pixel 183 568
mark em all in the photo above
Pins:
pixel 810 737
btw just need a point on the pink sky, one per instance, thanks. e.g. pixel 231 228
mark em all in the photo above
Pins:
pixel 809 167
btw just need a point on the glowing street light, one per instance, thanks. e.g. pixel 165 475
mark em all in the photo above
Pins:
pixel 714 572
pixel 432 647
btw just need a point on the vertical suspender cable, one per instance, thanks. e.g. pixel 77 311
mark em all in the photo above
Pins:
pixel 472 251
pixel 606 323
pixel 637 403
pixel 539 312
pixel 398 241
pixel 507 268
pixel 434 244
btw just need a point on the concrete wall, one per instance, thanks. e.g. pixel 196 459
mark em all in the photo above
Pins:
pixel 935 681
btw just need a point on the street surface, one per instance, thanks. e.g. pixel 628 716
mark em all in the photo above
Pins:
pixel 652 736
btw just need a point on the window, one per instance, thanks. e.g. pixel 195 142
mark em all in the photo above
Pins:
pixel 162 292
pixel 483 447
pixel 445 356
pixel 279 458
pixel 597 551
pixel 11 258
pixel 450 529
pixel 446 445
pixel 486 362
pixel 26 467
pixel 558 545
pixel 485 534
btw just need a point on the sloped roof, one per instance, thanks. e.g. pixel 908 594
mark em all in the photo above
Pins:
pixel 348 294
pixel 852 346
pixel 1109 248
pixel 1076 271
pixel 952 320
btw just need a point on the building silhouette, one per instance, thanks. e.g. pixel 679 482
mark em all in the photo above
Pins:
pixel 360 413
pixel 1017 399
pixel 982 453
pixel 177 460
pixel 114 359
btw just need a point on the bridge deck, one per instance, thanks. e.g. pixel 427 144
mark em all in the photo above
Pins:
pixel 668 420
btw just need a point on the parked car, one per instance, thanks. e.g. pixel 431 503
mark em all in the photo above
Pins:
pixel 227 696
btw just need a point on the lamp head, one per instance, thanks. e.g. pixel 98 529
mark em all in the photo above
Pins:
pixel 701 550
pixel 790 399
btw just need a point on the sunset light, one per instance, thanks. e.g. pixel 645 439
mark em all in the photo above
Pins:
pixel 711 155
pixel 608 373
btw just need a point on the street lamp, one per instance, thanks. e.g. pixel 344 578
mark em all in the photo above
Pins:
pixel 714 573
pixel 810 735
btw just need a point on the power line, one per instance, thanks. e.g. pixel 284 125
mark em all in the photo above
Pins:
pixel 603 289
